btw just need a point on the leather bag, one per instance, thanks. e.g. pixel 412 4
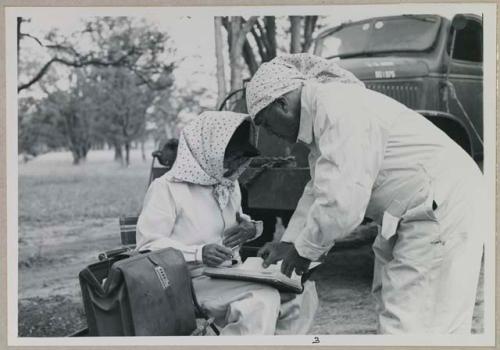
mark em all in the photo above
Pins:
pixel 140 294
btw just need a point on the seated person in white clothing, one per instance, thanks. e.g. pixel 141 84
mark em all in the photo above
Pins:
pixel 196 208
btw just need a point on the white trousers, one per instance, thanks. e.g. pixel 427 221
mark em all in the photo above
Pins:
pixel 246 308
pixel 425 276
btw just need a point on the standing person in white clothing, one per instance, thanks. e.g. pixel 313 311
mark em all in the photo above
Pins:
pixel 196 208
pixel 371 156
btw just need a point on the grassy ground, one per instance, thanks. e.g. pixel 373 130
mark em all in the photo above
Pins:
pixel 68 214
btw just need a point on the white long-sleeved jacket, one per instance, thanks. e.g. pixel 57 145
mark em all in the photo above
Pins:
pixel 185 216
pixel 369 156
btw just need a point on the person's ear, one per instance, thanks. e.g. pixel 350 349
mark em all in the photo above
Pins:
pixel 282 103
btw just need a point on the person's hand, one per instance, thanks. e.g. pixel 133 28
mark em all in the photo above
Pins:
pixel 274 251
pixel 293 261
pixel 214 254
pixel 239 234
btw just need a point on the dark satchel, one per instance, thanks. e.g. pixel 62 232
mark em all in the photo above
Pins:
pixel 148 294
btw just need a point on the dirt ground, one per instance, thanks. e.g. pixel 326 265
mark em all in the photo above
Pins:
pixel 60 234
pixel 50 301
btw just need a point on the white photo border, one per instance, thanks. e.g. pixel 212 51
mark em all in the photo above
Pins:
pixel 489 101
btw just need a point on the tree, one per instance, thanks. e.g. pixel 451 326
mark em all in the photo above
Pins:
pixel 264 35
pixel 68 112
pixel 28 125
pixel 255 40
pixel 237 28
pixel 122 109
pixel 168 106
pixel 301 33
pixel 118 65
pixel 295 24
pixel 219 56
pixel 116 42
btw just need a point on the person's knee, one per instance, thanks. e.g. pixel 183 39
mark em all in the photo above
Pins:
pixel 310 298
pixel 268 298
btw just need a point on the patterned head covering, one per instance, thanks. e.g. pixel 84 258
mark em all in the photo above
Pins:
pixel 200 156
pixel 286 73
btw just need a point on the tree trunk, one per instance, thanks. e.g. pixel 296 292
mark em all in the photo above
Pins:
pixel 270 25
pixel 76 159
pixel 235 53
pixel 85 151
pixel 219 55
pixel 76 155
pixel 309 26
pixel 235 60
pixel 127 153
pixel 249 57
pixel 295 26
pixel 19 22
pixel 238 29
pixel 143 149
pixel 118 152
pixel 265 38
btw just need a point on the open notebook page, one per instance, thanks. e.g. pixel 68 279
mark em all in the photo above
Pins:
pixel 255 264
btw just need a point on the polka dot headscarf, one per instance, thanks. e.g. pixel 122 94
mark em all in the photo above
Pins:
pixel 286 73
pixel 200 155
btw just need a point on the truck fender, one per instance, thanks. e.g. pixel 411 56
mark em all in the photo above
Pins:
pixel 452 126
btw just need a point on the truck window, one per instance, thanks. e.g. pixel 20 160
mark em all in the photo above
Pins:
pixel 469 43
pixel 399 33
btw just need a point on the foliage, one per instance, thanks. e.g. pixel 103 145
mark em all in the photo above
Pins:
pixel 121 109
pixel 109 42
pixel 168 106
pixel 35 134
pixel 118 68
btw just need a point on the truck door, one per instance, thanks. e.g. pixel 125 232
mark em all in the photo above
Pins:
pixel 466 74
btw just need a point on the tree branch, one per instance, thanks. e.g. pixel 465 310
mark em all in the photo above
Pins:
pixel 22 35
pixel 249 57
pixel 245 29
pixel 270 25
pixel 260 45
pixel 77 64
pixel 264 40
pixel 309 26
pixel 247 26
pixel 38 76
pixel 63 48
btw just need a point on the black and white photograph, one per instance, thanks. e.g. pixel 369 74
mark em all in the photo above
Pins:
pixel 253 175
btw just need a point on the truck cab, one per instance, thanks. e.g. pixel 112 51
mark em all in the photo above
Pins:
pixel 431 64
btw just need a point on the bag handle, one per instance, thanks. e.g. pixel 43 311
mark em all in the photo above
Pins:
pixel 88 276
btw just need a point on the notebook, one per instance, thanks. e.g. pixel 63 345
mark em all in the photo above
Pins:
pixel 253 271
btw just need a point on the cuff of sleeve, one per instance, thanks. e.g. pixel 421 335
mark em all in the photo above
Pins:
pixel 259 228
pixel 290 235
pixel 310 250
pixel 198 255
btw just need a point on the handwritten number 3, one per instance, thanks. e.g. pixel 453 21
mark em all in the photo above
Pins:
pixel 315 340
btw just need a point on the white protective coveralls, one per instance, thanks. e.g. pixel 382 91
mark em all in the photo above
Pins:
pixel 372 156
pixel 192 205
